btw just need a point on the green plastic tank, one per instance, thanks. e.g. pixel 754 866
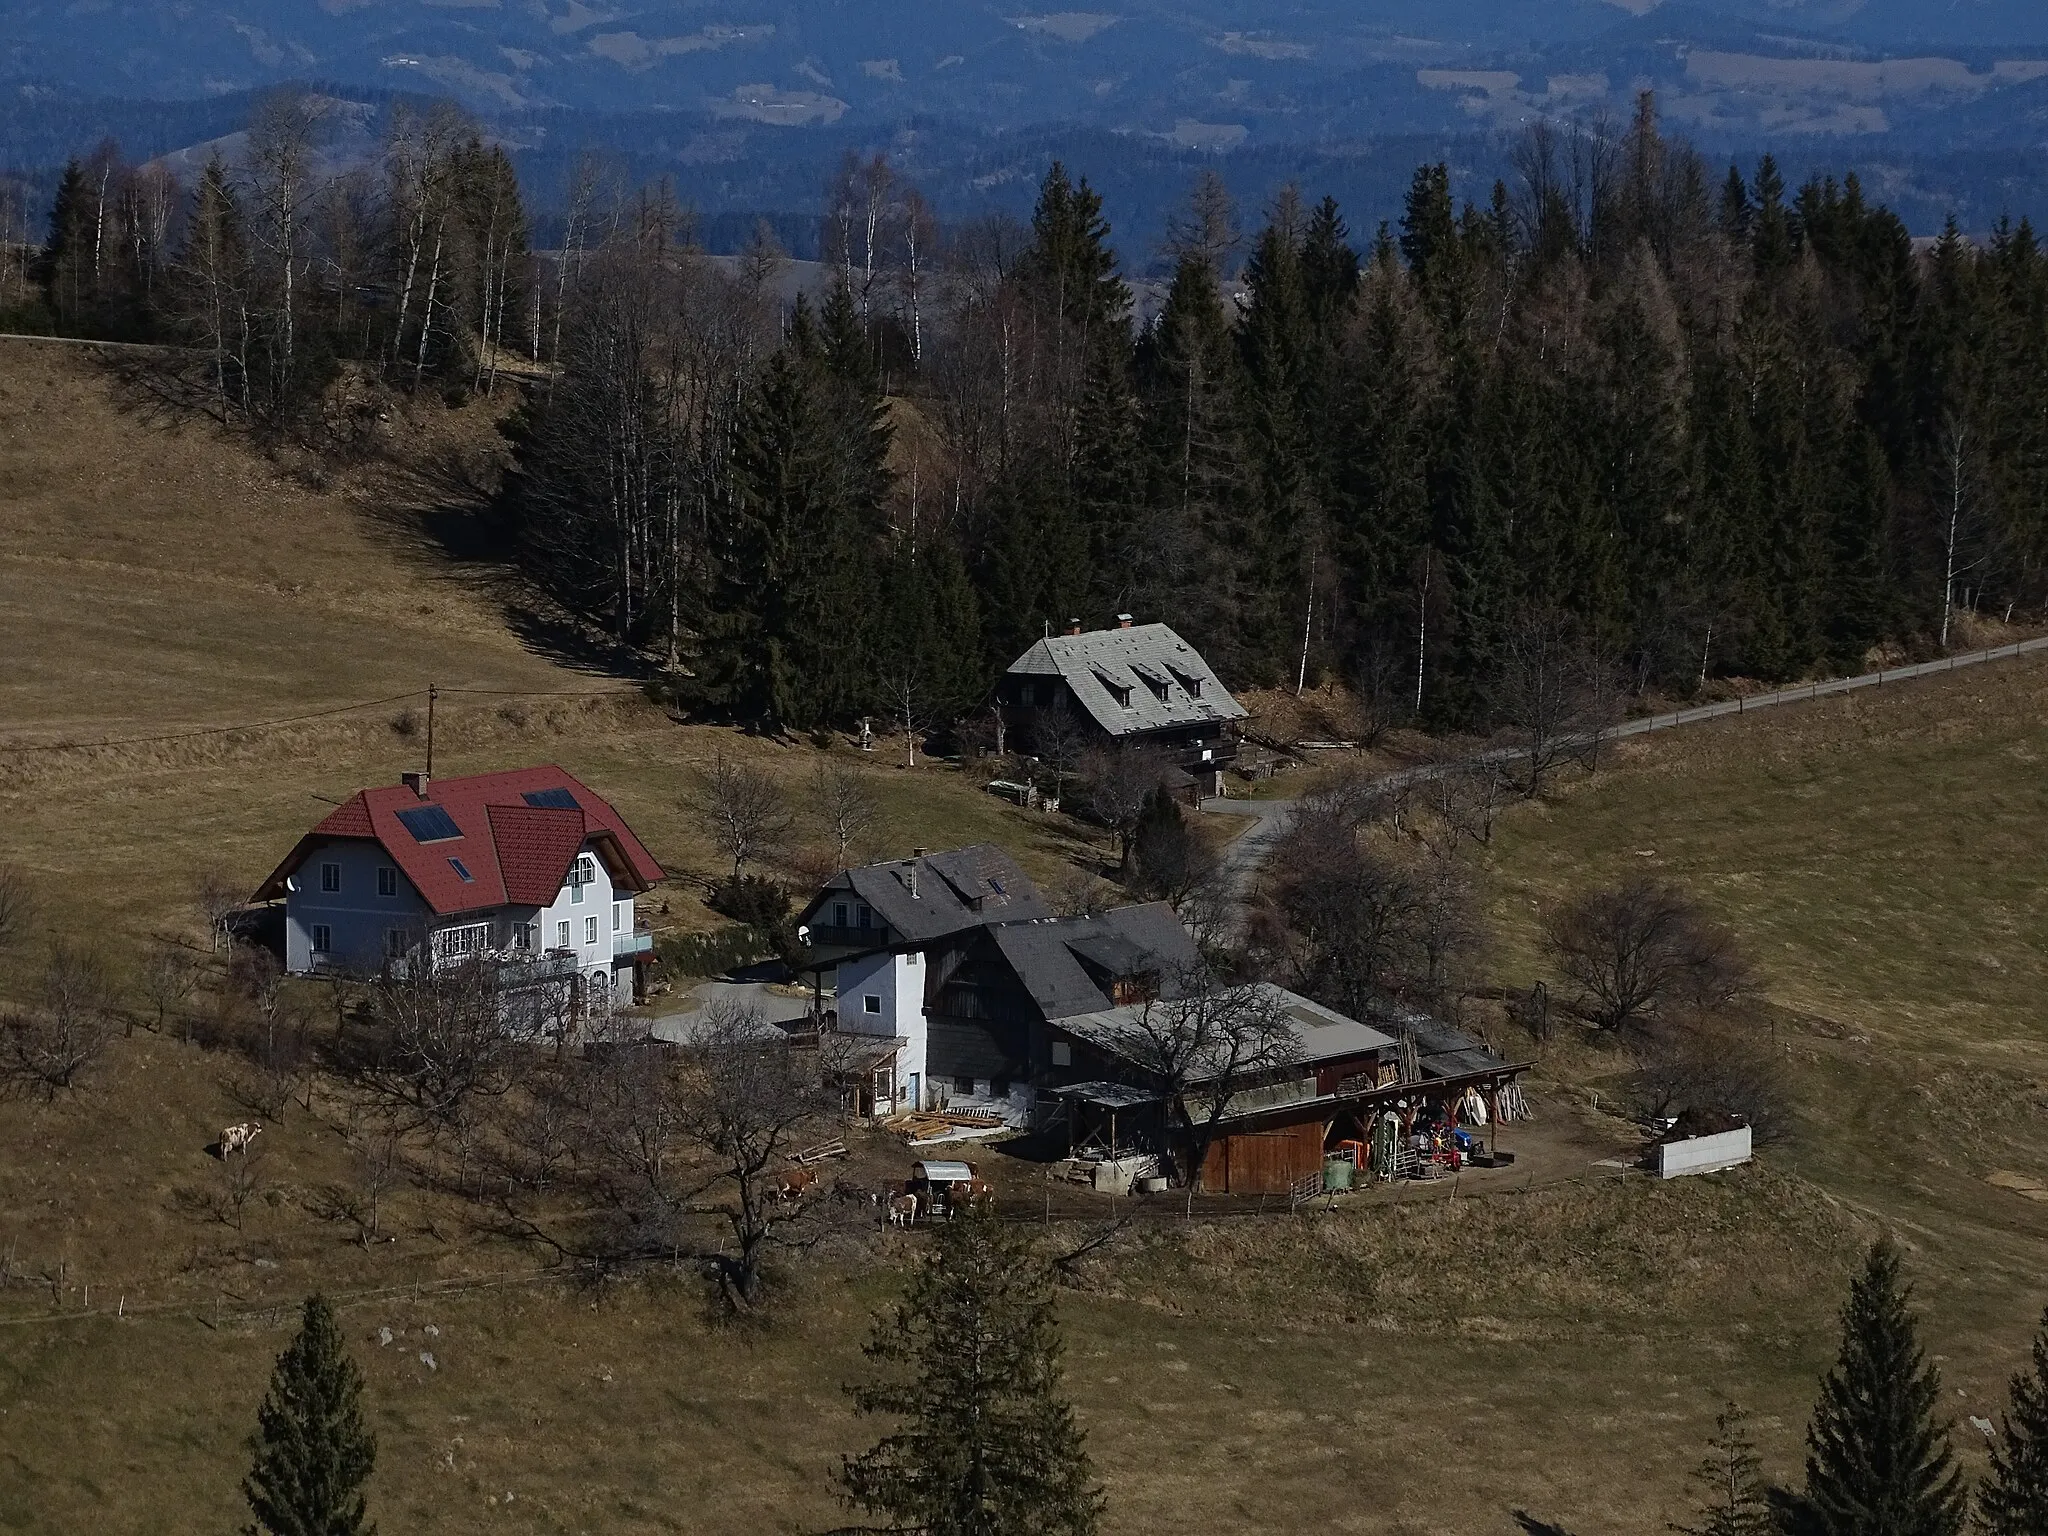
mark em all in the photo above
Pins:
pixel 1337 1173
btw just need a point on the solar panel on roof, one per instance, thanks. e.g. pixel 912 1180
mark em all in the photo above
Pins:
pixel 429 823
pixel 550 800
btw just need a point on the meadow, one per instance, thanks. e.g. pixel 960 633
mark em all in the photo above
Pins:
pixel 1553 1353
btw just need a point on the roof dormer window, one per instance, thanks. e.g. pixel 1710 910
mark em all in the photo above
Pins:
pixel 1119 691
pixel 1187 680
pixel 1157 684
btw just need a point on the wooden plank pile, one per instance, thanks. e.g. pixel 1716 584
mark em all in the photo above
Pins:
pixel 928 1125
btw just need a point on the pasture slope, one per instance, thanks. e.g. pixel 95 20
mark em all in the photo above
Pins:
pixel 1432 1366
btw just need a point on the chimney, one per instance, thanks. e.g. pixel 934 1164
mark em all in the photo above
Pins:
pixel 1073 626
pixel 1123 621
pixel 910 876
pixel 416 782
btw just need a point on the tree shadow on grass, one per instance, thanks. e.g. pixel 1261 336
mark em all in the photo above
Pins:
pixel 1531 1526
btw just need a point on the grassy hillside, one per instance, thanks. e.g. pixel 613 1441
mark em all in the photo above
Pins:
pixel 1430 1366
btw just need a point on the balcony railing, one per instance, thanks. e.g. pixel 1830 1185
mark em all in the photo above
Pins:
pixel 624 944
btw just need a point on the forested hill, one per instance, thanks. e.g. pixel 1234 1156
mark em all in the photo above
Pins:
pixel 1681 419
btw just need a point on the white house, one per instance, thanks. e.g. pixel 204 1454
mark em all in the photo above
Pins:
pixel 529 865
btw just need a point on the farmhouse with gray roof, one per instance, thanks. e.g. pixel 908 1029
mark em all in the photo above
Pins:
pixel 1136 684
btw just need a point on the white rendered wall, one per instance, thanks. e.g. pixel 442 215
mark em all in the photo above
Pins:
pixel 896 981
pixel 1703 1154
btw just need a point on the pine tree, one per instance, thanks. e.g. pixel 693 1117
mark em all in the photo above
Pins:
pixel 969 1359
pixel 64 267
pixel 2013 1501
pixel 1877 1462
pixel 1731 1477
pixel 313 1451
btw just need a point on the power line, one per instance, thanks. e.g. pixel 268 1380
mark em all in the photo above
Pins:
pixel 318 714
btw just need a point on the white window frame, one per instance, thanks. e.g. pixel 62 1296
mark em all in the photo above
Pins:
pixel 452 944
pixel 590 930
pixel 870 1002
pixel 523 936
pixel 562 934
pixel 330 879
pixel 322 939
pixel 618 917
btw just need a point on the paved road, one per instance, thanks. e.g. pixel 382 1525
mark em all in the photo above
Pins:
pixel 1247 853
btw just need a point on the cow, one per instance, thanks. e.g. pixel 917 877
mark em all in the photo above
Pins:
pixel 902 1210
pixel 236 1138
pixel 794 1184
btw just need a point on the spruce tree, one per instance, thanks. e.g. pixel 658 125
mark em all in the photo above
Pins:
pixel 313 1451
pixel 1877 1461
pixel 2013 1501
pixel 1731 1477
pixel 969 1359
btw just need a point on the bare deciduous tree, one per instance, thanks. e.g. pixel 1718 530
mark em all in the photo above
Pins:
pixel 1638 950
pixel 749 1097
pixel 1555 695
pixel 218 897
pixel 46 1046
pixel 169 978
pixel 844 804
pixel 445 1048
pixel 1203 1043
pixel 1680 1068
pixel 748 816
pixel 1117 784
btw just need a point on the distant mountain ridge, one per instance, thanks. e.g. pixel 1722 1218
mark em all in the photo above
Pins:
pixel 746 103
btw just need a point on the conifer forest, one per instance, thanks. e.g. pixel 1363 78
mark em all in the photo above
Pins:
pixel 1705 424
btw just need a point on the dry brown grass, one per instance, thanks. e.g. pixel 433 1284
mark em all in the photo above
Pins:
pixel 1417 1368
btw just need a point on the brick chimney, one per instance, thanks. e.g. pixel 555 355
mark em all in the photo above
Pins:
pixel 1123 621
pixel 416 782
pixel 1073 626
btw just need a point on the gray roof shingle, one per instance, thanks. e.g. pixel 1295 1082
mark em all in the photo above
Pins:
pixel 965 888
pixel 1144 678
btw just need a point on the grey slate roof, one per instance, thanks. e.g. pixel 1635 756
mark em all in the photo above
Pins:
pixel 965 888
pixel 1124 941
pixel 1441 1050
pixel 1165 679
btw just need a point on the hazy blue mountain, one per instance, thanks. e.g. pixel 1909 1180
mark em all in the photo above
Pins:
pixel 746 102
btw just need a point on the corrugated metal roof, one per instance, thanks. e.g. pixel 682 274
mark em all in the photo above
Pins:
pixel 1145 678
pixel 1320 1034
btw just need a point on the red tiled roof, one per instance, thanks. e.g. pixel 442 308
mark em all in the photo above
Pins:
pixel 515 853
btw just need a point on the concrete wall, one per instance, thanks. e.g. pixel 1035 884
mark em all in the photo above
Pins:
pixel 896 984
pixel 1703 1154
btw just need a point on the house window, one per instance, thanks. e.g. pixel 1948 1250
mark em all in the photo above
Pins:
pixel 618 916
pixel 396 943
pixel 461 943
pixel 870 1003
pixel 387 880
pixel 561 935
pixel 583 872
pixel 522 935
pixel 963 1085
pixel 330 877
pixel 462 871
pixel 838 914
pixel 867 918
pixel 323 939
pixel 1062 1054
pixel 590 930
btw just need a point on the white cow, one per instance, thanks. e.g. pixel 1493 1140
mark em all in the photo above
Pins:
pixel 236 1138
